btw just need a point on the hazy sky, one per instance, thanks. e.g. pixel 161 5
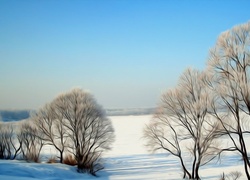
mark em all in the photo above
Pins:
pixel 125 52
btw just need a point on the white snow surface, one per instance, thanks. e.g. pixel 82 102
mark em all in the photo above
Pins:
pixel 128 160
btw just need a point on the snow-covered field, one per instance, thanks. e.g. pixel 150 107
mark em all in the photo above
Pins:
pixel 128 159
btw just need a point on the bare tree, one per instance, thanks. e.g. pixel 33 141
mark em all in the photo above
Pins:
pixel 31 142
pixel 51 127
pixel 161 134
pixel 9 146
pixel 79 119
pixel 182 123
pixel 229 68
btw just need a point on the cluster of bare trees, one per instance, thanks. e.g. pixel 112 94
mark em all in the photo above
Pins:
pixel 73 123
pixel 207 106
pixel 22 141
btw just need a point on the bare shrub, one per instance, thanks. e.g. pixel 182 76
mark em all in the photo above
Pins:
pixel 52 160
pixel 69 159
pixel 231 176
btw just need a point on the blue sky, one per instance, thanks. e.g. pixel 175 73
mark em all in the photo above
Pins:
pixel 125 52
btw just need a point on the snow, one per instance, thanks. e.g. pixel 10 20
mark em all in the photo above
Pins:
pixel 128 160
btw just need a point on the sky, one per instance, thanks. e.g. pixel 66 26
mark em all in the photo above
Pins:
pixel 125 52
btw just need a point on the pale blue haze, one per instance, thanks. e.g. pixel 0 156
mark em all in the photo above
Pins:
pixel 125 52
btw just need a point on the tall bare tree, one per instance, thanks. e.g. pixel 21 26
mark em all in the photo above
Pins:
pixel 182 123
pixel 229 68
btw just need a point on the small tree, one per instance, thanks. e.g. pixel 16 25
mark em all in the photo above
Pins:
pixel 9 147
pixel 183 117
pixel 31 142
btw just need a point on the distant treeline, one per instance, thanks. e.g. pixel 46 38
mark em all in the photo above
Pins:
pixel 131 111
pixel 16 115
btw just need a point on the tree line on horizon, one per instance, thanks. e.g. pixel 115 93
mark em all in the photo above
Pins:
pixel 205 108
pixel 17 115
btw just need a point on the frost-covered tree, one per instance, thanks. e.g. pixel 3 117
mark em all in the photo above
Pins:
pixel 182 123
pixel 229 68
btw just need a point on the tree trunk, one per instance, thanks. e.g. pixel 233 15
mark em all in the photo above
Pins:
pixel 197 171
pixel 245 159
pixel 244 152
pixel 61 156
pixel 194 162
